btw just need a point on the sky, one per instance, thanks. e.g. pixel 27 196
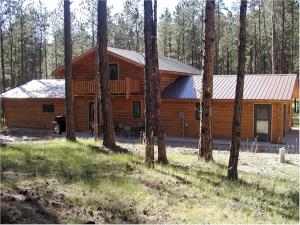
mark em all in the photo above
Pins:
pixel 118 4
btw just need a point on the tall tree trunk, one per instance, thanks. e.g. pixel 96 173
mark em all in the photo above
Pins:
pixel 12 74
pixel 251 58
pixel 207 86
pixel 201 35
pixel 292 41
pixel 237 113
pixel 169 45
pixel 149 140
pixel 228 59
pixel 223 62
pixel 17 72
pixel 217 39
pixel 22 46
pixel 137 47
pixel 45 58
pixel 193 38
pixel 282 52
pixel 3 86
pixel 255 50
pixel 34 58
pixel 41 56
pixel 70 123
pixel 266 60
pixel 259 58
pixel 273 39
pixel 26 53
pixel 183 37
pixel 108 131
pixel 159 131
pixel 55 51
pixel 93 34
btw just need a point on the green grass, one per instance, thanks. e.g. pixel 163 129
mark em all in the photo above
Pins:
pixel 295 119
pixel 118 188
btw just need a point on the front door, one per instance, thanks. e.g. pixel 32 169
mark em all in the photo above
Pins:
pixel 262 122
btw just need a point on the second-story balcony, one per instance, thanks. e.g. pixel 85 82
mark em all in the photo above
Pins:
pixel 117 87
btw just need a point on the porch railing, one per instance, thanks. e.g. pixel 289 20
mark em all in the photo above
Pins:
pixel 127 87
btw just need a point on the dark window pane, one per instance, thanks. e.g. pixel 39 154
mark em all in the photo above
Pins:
pixel 113 72
pixel 262 113
pixel 197 111
pixel 48 108
pixel 136 109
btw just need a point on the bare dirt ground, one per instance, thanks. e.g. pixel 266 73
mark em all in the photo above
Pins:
pixel 40 202
pixel 22 135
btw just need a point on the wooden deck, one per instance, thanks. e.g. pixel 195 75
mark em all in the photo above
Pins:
pixel 117 87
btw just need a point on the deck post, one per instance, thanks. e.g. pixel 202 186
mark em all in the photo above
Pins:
pixel 127 81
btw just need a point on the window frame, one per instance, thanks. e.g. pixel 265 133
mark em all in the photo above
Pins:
pixel 118 71
pixel 45 108
pixel 140 107
pixel 197 111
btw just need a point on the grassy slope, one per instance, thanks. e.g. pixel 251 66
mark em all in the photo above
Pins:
pixel 111 188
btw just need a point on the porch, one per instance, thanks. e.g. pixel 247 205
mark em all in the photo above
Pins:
pixel 117 87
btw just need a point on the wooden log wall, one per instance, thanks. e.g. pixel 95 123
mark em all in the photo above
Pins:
pixel 29 112
pixel 85 70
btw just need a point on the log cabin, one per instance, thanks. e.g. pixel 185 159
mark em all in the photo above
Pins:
pixel 267 103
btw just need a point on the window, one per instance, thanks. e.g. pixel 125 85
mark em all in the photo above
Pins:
pixel 113 72
pixel 197 111
pixel 136 109
pixel 48 108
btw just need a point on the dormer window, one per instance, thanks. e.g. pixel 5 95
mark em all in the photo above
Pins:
pixel 113 71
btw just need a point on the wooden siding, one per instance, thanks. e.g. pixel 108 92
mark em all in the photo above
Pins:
pixel 81 113
pixel 277 128
pixel 173 125
pixel 167 79
pixel 121 109
pixel 222 119
pixel 29 113
pixel 87 70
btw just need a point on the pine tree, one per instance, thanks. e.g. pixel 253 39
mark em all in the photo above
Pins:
pixel 149 62
pixel 108 132
pixel 206 146
pixel 70 122
pixel 237 113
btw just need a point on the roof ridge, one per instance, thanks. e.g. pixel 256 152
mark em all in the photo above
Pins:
pixel 262 74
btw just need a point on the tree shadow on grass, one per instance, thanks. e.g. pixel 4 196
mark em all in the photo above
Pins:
pixel 69 170
pixel 271 199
